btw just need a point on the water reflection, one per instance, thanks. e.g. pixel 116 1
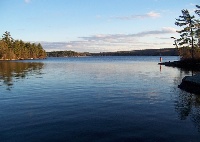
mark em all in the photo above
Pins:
pixel 12 71
pixel 187 105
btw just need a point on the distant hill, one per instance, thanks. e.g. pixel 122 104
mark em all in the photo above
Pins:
pixel 146 52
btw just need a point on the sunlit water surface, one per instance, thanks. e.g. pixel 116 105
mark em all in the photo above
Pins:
pixel 96 99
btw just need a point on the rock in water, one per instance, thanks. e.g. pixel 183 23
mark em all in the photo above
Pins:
pixel 191 84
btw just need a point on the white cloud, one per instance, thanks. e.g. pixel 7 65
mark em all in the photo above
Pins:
pixel 169 29
pixel 164 30
pixel 104 37
pixel 151 14
pixel 116 42
pixel 27 1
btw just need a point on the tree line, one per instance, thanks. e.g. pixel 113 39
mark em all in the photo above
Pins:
pixel 145 52
pixel 65 54
pixel 189 42
pixel 11 49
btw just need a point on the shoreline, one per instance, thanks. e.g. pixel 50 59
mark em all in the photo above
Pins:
pixel 190 84
pixel 183 65
pixel 22 59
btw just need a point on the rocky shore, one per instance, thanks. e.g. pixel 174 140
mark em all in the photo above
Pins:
pixel 189 83
pixel 195 66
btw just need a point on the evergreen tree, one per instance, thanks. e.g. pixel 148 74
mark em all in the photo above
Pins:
pixel 18 49
pixel 7 39
pixel 198 10
pixel 198 24
pixel 188 36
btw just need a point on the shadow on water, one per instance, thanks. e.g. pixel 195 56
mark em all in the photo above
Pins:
pixel 13 71
pixel 187 105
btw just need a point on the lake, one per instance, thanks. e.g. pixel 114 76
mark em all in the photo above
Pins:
pixel 101 99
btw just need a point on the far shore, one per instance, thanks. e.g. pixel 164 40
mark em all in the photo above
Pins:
pixel 21 59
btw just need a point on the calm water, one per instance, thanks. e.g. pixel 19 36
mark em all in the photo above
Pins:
pixel 96 99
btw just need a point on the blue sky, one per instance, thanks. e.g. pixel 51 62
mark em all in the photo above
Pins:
pixel 94 25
